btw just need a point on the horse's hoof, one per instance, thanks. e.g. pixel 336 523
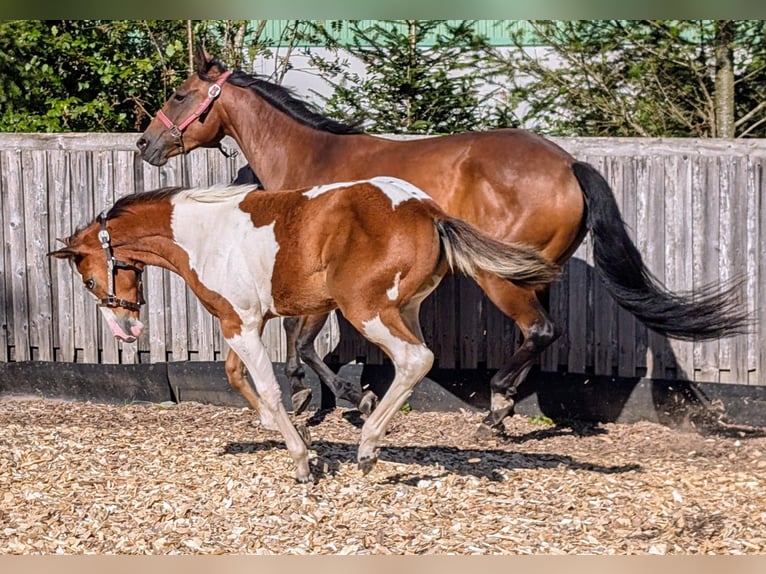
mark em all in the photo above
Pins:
pixel 303 430
pixel 368 403
pixel 485 432
pixel 301 400
pixel 495 418
pixel 366 464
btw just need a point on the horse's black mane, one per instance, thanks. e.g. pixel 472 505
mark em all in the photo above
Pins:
pixel 285 101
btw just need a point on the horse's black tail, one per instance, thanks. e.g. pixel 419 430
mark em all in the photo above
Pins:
pixel 709 313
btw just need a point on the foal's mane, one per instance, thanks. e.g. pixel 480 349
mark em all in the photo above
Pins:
pixel 215 194
pixel 124 204
pixel 284 100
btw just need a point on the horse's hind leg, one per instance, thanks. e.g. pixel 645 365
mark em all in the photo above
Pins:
pixel 340 387
pixel 525 308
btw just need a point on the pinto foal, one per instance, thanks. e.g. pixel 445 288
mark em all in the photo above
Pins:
pixel 374 249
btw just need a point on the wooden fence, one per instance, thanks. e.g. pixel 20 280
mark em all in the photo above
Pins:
pixel 696 208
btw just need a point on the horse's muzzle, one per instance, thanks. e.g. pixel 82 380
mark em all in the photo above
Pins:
pixel 151 153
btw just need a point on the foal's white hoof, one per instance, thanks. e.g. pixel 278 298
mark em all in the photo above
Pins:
pixel 269 425
pixel 366 464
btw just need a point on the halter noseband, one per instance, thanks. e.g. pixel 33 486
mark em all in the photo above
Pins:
pixel 177 130
pixel 112 265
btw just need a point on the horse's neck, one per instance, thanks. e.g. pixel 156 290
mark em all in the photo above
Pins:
pixel 278 148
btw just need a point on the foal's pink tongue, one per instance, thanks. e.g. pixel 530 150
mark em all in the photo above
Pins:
pixel 136 328
pixel 119 332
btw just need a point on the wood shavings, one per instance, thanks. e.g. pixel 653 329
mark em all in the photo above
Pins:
pixel 80 478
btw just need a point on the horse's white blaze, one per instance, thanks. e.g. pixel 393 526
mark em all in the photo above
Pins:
pixel 397 190
pixel 393 291
pixel 230 255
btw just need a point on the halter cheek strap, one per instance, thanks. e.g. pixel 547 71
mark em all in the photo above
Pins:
pixel 177 130
pixel 112 265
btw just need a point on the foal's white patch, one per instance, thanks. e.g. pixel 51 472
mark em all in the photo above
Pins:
pixel 377 332
pixel 410 360
pixel 393 292
pixel 397 190
pixel 322 189
pixel 230 255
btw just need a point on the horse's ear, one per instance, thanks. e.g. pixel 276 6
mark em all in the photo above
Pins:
pixel 67 252
pixel 202 59
pixel 63 253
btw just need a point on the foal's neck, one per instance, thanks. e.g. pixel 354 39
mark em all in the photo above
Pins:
pixel 144 234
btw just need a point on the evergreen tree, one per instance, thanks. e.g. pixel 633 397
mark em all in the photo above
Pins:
pixel 409 85
pixel 650 78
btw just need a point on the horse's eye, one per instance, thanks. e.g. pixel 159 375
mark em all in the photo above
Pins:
pixel 179 97
pixel 90 284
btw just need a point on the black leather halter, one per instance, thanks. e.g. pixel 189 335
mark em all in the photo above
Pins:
pixel 112 265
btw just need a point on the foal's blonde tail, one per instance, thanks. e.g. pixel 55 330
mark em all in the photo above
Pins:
pixel 468 250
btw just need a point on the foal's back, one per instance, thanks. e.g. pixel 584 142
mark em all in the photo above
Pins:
pixel 344 238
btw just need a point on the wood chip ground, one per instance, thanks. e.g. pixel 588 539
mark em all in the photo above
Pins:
pixel 199 479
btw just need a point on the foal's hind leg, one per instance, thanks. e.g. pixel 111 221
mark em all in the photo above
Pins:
pixel 525 308
pixel 411 359
pixel 340 387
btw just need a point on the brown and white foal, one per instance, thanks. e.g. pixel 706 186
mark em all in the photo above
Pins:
pixel 374 249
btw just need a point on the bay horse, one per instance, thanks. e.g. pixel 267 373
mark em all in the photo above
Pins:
pixel 511 183
pixel 373 249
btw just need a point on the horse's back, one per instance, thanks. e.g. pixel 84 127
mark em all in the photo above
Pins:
pixel 516 185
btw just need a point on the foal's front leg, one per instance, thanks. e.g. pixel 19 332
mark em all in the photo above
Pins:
pixel 235 372
pixel 250 348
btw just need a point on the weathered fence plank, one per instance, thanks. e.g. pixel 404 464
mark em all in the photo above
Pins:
pixel 60 209
pixel 153 314
pixel 694 207
pixel 759 306
pixel 6 302
pixel 125 184
pixel 83 210
pixel 17 241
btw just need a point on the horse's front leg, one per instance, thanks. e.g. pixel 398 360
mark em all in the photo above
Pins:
pixel 365 401
pixel 251 350
pixel 300 394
